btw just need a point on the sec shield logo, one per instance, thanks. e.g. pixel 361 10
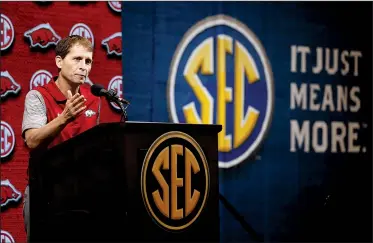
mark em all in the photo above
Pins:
pixel 175 181
pixel 220 74
pixel 116 84
pixel 82 30
pixel 40 78
pixel 115 5
pixel 7 32
pixel 8 139
pixel 6 237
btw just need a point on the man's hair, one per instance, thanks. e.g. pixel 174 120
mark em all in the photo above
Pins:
pixel 63 46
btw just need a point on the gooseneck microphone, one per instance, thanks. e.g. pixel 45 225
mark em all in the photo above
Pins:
pixel 111 95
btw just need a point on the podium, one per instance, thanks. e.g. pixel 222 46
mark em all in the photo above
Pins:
pixel 133 181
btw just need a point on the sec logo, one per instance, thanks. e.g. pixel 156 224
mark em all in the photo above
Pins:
pixel 116 84
pixel 175 181
pixel 83 30
pixel 6 237
pixel 220 74
pixel 8 139
pixel 40 78
pixel 7 32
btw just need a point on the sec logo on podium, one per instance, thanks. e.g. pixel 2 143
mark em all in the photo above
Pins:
pixel 175 181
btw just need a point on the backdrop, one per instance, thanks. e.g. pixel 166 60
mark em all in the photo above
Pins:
pixel 29 33
pixel 291 84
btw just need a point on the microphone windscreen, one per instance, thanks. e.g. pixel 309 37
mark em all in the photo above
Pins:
pixel 96 90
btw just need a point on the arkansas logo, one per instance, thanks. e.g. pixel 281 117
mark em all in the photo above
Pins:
pixel 40 78
pixel 42 36
pixel 8 139
pixel 116 84
pixel 82 30
pixel 6 237
pixel 115 5
pixel 113 44
pixel 7 32
pixel 8 85
pixel 9 194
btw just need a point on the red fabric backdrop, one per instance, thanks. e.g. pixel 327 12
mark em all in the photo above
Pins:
pixel 19 63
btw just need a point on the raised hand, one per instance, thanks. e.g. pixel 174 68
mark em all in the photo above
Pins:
pixel 74 106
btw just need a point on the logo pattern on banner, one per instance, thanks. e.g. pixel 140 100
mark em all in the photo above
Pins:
pixel 8 139
pixel 42 36
pixel 82 30
pixel 9 194
pixel 175 210
pixel 116 84
pixel 8 85
pixel 115 5
pixel 40 78
pixel 35 34
pixel 7 32
pixel 6 237
pixel 113 44
pixel 224 68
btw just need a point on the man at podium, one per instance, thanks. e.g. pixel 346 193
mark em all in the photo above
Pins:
pixel 64 107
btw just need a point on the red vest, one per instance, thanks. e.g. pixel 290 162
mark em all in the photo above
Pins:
pixel 55 103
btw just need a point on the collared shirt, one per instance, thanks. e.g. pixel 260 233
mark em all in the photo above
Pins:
pixel 46 102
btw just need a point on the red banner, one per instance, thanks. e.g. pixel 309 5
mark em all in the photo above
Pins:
pixel 29 33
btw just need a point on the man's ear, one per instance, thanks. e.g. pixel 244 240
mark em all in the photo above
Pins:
pixel 59 61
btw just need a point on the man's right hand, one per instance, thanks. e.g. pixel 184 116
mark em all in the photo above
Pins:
pixel 73 107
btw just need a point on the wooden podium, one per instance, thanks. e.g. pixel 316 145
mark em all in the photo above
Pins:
pixel 131 181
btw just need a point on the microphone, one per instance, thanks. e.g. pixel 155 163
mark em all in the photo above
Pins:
pixel 111 95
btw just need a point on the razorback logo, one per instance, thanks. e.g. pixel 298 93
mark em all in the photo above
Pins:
pixel 6 237
pixel 42 36
pixel 9 193
pixel 8 85
pixel 89 113
pixel 113 44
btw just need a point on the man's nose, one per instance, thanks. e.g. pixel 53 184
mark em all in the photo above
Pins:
pixel 82 65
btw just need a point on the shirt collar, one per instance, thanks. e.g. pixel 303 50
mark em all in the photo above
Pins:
pixel 55 91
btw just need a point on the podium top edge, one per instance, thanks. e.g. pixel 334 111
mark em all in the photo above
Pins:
pixel 161 125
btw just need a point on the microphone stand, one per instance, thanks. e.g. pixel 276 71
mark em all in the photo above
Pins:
pixel 123 108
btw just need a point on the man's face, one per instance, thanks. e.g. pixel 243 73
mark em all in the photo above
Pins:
pixel 77 64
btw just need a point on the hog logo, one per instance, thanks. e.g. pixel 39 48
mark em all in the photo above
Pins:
pixel 89 113
pixel 113 44
pixel 8 139
pixel 116 84
pixel 8 85
pixel 9 193
pixel 42 36
pixel 6 237
pixel 40 78
pixel 82 30
pixel 7 32
pixel 115 5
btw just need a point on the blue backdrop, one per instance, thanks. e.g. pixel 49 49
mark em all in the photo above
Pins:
pixel 309 175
